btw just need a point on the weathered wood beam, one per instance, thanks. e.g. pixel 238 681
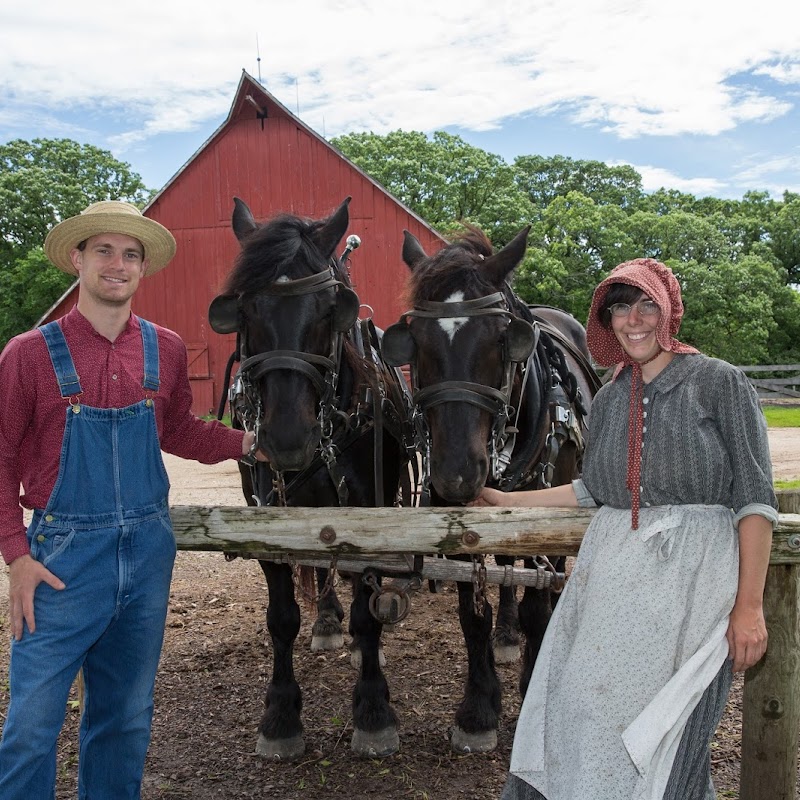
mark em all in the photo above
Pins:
pixel 373 531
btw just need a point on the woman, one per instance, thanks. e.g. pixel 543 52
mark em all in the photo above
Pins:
pixel 665 598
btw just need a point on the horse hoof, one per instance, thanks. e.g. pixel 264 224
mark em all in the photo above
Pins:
pixel 280 749
pixel 375 744
pixel 355 658
pixel 331 641
pixel 506 653
pixel 463 742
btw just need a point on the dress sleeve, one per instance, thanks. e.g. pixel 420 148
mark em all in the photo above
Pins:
pixel 16 402
pixel 744 430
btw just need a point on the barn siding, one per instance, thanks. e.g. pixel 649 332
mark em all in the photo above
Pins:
pixel 274 165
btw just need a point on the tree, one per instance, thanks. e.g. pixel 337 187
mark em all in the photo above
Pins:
pixel 443 179
pixel 544 179
pixel 41 183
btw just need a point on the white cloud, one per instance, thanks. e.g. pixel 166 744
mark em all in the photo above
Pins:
pixel 632 67
pixel 654 178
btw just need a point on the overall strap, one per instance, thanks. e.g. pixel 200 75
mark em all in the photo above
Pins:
pixel 150 344
pixel 62 360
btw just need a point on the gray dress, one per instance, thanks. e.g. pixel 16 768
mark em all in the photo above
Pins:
pixel 638 635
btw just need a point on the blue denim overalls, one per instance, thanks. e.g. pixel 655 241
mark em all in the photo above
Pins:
pixel 106 533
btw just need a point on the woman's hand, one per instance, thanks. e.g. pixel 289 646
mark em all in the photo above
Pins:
pixel 491 497
pixel 747 636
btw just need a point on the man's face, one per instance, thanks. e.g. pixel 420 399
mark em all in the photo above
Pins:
pixel 110 267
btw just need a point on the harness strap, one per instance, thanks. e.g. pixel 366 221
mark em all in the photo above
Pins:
pixel 485 397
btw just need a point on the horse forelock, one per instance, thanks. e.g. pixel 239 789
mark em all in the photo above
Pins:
pixel 282 248
pixel 454 268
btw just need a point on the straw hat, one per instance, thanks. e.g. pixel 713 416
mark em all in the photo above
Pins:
pixel 110 216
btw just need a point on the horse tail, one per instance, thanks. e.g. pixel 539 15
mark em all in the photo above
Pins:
pixel 306 582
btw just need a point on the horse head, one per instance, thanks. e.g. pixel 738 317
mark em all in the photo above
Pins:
pixel 464 343
pixel 289 302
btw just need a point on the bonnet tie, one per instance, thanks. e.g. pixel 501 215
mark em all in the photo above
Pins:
pixel 635 425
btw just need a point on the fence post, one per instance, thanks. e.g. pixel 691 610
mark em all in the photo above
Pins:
pixel 771 702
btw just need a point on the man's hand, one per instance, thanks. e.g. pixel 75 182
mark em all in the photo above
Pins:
pixel 25 574
pixel 247 444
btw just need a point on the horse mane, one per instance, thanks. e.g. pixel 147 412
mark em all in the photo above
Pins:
pixel 281 246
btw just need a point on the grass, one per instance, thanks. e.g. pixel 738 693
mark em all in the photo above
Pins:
pixel 782 416
pixel 793 484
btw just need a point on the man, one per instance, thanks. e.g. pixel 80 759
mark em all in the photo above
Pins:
pixel 86 406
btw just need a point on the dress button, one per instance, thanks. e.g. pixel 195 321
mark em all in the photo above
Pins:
pixel 40 538
pixel 646 400
pixel 644 413
pixel 113 377
pixel 644 429
pixel 647 504
pixel 48 518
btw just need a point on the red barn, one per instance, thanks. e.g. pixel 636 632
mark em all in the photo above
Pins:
pixel 274 162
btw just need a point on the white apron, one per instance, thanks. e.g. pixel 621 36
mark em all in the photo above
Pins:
pixel 636 638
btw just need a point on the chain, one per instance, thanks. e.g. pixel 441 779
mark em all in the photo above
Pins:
pixel 327 587
pixel 478 584
pixel 279 488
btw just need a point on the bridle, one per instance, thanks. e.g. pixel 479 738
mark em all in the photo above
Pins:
pixel 245 397
pixel 497 402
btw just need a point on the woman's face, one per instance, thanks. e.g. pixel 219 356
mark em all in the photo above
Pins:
pixel 636 332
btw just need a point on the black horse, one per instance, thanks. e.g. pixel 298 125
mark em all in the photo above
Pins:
pixel 501 397
pixel 328 415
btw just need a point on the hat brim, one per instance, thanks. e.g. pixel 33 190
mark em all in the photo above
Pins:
pixel 158 242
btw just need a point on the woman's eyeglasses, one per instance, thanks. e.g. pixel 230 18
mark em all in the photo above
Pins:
pixel 646 308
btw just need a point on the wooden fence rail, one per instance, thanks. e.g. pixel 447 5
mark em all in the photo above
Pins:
pixel 771 710
pixel 772 387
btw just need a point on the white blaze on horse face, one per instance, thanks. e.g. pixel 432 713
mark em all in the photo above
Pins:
pixel 451 324
pixel 283 279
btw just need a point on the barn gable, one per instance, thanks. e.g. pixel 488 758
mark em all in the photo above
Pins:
pixel 275 162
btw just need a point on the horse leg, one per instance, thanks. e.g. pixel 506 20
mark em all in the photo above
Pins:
pixel 505 640
pixel 326 632
pixel 534 614
pixel 280 732
pixel 477 716
pixel 374 721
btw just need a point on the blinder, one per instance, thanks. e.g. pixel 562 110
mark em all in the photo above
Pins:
pixel 398 345
pixel 345 312
pixel 520 340
pixel 223 314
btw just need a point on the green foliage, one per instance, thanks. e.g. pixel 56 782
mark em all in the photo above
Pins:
pixel 442 179
pixel 782 416
pixel 28 287
pixel 41 183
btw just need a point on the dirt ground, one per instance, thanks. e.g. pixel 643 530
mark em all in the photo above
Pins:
pixel 215 668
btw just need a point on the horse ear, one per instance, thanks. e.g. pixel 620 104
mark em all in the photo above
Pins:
pixel 412 250
pixel 521 339
pixel 327 236
pixel 223 313
pixel 242 220
pixel 345 312
pixel 498 266
pixel 398 346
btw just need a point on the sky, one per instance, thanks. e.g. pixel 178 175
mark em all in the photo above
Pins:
pixel 700 96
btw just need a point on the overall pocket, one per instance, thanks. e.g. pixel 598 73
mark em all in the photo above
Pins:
pixel 48 543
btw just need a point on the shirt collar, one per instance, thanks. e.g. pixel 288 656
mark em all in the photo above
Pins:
pixel 76 323
pixel 669 377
